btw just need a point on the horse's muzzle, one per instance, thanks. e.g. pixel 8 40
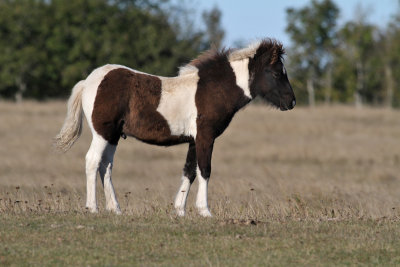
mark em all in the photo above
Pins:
pixel 288 106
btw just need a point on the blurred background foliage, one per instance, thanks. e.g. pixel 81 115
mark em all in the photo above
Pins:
pixel 48 45
pixel 357 63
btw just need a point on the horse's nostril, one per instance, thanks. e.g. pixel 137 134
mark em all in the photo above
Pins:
pixel 293 103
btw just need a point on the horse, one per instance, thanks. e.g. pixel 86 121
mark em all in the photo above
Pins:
pixel 194 107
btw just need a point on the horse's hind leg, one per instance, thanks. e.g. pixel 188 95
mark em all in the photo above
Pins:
pixel 93 159
pixel 189 174
pixel 105 171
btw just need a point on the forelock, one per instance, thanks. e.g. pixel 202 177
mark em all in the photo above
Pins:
pixel 270 51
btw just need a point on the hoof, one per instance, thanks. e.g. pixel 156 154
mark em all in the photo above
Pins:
pixel 116 210
pixel 92 209
pixel 205 212
pixel 180 212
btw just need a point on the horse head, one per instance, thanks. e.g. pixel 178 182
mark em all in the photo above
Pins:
pixel 268 77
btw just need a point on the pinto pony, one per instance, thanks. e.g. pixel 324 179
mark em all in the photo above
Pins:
pixel 194 107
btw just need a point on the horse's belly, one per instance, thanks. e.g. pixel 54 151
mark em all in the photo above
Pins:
pixel 152 128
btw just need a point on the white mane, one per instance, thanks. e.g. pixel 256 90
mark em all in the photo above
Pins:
pixel 187 69
pixel 247 52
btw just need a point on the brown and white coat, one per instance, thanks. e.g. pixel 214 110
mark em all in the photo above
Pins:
pixel 194 107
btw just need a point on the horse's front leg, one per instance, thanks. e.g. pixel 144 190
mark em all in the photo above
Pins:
pixel 204 148
pixel 189 174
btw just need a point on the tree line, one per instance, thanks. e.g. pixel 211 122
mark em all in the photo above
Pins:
pixel 48 45
pixel 357 63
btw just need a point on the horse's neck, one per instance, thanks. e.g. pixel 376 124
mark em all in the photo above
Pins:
pixel 186 85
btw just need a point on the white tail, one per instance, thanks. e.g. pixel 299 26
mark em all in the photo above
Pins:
pixel 72 127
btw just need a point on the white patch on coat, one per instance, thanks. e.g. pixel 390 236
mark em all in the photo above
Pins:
pixel 247 52
pixel 187 69
pixel 93 159
pixel 241 70
pixel 177 104
pixel 201 199
pixel 181 197
pixel 100 158
pixel 283 70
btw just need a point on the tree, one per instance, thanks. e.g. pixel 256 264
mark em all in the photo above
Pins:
pixel 49 45
pixel 358 45
pixel 214 32
pixel 312 30
pixel 391 55
pixel 21 42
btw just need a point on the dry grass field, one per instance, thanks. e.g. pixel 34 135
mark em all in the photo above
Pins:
pixel 305 187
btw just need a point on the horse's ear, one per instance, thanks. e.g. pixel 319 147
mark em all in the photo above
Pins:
pixel 277 53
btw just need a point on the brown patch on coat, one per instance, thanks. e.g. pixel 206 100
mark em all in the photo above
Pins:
pixel 209 56
pixel 126 104
pixel 189 170
pixel 217 99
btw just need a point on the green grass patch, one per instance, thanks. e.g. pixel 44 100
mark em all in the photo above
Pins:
pixel 160 240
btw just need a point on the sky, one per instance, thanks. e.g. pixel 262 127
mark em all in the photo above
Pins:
pixel 249 20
